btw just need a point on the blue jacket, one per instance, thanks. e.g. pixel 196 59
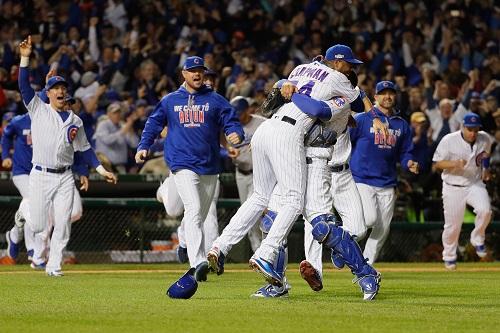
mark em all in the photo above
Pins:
pixel 193 132
pixel 374 161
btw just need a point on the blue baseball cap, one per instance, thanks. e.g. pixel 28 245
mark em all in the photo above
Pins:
pixel 240 104
pixel 194 62
pixel 472 120
pixel 383 85
pixel 55 80
pixel 210 72
pixel 185 287
pixel 70 99
pixel 341 52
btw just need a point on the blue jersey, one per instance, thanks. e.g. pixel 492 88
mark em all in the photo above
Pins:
pixel 374 159
pixel 194 124
pixel 17 134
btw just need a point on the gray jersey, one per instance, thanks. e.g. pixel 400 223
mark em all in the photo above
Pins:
pixel 244 159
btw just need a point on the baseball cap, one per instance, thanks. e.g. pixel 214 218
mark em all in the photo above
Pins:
pixel 55 80
pixel 194 62
pixel 114 107
pixel 70 99
pixel 341 52
pixel 240 104
pixel 472 120
pixel 210 72
pixel 382 85
pixel 475 95
pixel 185 287
pixel 417 117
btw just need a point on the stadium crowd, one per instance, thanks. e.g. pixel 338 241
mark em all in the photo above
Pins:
pixel 121 57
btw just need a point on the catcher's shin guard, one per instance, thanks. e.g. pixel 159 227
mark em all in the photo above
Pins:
pixel 336 238
pixel 281 260
pixel 266 222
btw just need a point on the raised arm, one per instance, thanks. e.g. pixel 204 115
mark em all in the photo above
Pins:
pixel 27 92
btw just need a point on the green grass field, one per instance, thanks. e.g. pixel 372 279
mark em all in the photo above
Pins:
pixel 131 298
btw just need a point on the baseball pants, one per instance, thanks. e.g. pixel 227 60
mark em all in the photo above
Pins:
pixel 454 201
pixel 196 192
pixel 378 209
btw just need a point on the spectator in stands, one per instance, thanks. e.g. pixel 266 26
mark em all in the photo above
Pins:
pixel 113 139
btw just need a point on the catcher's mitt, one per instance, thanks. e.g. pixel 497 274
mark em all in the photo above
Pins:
pixel 353 78
pixel 272 103
pixel 320 136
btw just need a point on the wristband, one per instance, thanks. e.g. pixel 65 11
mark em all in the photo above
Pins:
pixel 25 61
pixel 100 169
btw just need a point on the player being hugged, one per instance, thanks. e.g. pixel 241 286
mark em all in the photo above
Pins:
pixel 56 134
pixel 194 115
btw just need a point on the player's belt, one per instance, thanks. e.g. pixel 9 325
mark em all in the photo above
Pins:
pixel 50 170
pixel 339 168
pixel 455 185
pixel 245 172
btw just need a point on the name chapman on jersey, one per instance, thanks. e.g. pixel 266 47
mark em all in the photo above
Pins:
pixel 192 115
pixel 382 142
pixel 311 72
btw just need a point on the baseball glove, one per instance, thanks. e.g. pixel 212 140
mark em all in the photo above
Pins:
pixel 272 103
pixel 320 136
pixel 353 78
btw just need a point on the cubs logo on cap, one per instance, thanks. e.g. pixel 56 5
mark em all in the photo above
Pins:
pixel 71 133
pixel 342 52
pixel 55 80
pixel 194 62
pixel 472 120
pixel 383 85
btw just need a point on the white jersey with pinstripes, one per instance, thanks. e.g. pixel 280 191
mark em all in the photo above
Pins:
pixel 54 140
pixel 323 83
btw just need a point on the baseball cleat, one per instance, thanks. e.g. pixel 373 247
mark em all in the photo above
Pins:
pixel 56 273
pixel 267 270
pixel 38 267
pixel 12 248
pixel 481 251
pixel 270 291
pixel 216 260
pixel 450 265
pixel 182 254
pixel 337 260
pixel 201 272
pixel 311 275
pixel 19 219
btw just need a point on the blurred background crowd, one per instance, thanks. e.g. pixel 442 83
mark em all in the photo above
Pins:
pixel 121 57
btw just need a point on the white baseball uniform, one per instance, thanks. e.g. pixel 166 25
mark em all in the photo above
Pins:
pixel 461 187
pixel 279 158
pixel 244 175
pixel 54 144
pixel 168 195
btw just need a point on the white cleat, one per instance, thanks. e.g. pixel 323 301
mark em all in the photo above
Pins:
pixel 56 273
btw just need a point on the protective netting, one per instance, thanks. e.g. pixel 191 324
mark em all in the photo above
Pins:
pixel 138 230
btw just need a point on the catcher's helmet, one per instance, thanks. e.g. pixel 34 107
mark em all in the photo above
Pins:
pixel 185 287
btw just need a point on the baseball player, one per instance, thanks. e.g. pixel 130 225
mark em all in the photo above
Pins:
pixel 243 161
pixel 278 155
pixel 195 115
pixel 464 158
pixel 373 164
pixel 18 135
pixel 56 135
pixel 168 195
